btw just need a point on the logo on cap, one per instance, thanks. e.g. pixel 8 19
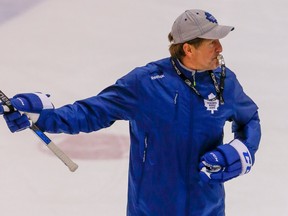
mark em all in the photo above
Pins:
pixel 210 17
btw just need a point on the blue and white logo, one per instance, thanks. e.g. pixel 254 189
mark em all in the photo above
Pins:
pixel 157 77
pixel 212 103
pixel 210 17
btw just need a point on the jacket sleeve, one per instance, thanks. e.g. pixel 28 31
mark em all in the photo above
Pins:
pixel 116 102
pixel 246 123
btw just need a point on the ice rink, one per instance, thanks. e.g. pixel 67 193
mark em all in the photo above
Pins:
pixel 72 49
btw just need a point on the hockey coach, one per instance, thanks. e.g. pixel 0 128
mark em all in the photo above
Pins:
pixel 177 108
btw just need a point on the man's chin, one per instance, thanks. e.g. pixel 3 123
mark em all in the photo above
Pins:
pixel 215 66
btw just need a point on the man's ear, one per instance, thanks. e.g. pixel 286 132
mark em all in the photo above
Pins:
pixel 188 49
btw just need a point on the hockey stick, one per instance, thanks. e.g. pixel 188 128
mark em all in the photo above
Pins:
pixel 46 140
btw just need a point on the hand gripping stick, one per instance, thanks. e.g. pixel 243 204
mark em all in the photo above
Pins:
pixel 46 140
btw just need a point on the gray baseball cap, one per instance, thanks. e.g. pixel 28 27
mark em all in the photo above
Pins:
pixel 197 24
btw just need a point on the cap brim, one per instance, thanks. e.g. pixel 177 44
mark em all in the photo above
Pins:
pixel 217 32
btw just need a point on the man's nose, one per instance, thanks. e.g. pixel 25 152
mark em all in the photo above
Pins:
pixel 218 47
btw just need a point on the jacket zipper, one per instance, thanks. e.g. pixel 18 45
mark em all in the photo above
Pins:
pixel 145 149
pixel 176 97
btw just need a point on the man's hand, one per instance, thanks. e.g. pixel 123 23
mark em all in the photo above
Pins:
pixel 226 162
pixel 27 106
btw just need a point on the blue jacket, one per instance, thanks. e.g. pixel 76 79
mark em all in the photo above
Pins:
pixel 170 129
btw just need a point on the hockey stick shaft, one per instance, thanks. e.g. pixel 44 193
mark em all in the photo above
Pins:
pixel 46 140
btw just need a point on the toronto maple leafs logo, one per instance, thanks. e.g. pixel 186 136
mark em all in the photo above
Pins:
pixel 212 103
pixel 210 17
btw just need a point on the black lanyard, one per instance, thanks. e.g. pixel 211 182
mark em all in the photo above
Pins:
pixel 219 89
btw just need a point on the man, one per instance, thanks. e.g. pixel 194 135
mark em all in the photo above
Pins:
pixel 176 108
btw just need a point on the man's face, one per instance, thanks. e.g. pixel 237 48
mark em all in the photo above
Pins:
pixel 205 56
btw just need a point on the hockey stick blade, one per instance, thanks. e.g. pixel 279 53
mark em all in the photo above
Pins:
pixel 46 140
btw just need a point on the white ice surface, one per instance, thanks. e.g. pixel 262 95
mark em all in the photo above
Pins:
pixel 72 49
